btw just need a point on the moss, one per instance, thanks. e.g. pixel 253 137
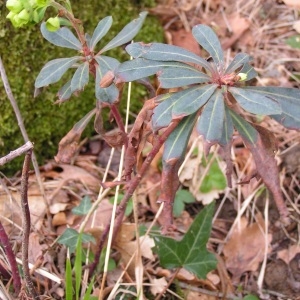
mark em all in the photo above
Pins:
pixel 24 52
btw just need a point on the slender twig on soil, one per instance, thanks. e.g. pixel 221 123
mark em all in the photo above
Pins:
pixel 132 186
pixel 15 153
pixel 26 225
pixel 169 283
pixel 4 241
pixel 17 112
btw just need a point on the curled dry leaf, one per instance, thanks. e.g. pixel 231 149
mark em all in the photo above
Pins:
pixel 288 254
pixel 158 285
pixel 245 249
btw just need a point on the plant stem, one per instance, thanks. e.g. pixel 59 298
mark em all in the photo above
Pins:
pixel 26 225
pixel 4 241
pixel 132 186
pixel 13 154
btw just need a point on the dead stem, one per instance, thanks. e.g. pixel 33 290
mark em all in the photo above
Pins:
pixel 26 225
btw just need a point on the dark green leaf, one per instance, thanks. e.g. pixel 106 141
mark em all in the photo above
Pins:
pixel 189 253
pixel 192 99
pixel 80 77
pixel 181 75
pixel 254 102
pixel 162 114
pixel 211 121
pixel 127 33
pixel 140 68
pixel 100 31
pixel 206 37
pixel 62 37
pixel 227 128
pixel 109 94
pixel 70 237
pixel 176 143
pixel 239 60
pixel 163 52
pixel 65 92
pixel 289 100
pixel 54 70
pixel 244 128
pixel 249 70
pixel 84 206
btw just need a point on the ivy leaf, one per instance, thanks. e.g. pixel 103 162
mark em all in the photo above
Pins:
pixel 100 31
pixel 189 253
pixel 80 77
pixel 84 206
pixel 206 37
pixel 288 98
pixel 70 237
pixel 127 33
pixel 54 70
pixel 163 52
pixel 211 121
pixel 62 37
pixel 182 197
pixel 255 103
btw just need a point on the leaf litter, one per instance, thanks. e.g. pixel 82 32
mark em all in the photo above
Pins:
pixel 256 27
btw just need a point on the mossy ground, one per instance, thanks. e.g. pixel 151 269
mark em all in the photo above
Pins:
pixel 24 52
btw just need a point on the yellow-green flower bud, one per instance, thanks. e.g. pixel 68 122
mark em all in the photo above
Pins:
pixel 14 6
pixel 24 16
pixel 243 76
pixel 53 24
pixel 42 3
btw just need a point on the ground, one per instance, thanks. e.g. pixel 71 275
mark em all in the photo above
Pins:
pixel 256 254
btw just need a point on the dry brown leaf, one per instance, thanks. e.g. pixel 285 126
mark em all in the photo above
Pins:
pixel 288 254
pixel 59 219
pixel 199 296
pixel 296 26
pixel 245 249
pixel 158 285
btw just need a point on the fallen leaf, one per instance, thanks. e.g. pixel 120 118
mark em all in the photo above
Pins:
pixel 296 26
pixel 288 254
pixel 158 285
pixel 245 249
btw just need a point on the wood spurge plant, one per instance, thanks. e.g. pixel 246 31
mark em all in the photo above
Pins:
pixel 207 94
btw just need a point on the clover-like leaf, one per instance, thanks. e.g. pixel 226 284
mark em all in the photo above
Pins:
pixel 189 253
pixel 54 70
pixel 80 77
pixel 239 60
pixel 100 31
pixel 127 33
pixel 176 143
pixel 254 102
pixel 247 131
pixel 192 99
pixel 288 98
pixel 180 75
pixel 207 38
pixel 211 121
pixel 62 37
pixel 163 52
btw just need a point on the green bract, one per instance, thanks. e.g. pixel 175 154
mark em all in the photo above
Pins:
pixel 53 24
pixel 14 6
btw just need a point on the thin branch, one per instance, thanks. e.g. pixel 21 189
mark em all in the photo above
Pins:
pixel 26 225
pixel 17 112
pixel 4 241
pixel 15 153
